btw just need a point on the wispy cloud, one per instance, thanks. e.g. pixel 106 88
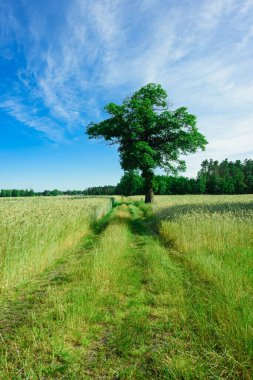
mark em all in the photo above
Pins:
pixel 246 38
pixel 30 118
pixel 62 64
pixel 91 52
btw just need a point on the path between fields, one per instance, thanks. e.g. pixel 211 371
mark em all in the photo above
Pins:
pixel 117 307
pixel 99 313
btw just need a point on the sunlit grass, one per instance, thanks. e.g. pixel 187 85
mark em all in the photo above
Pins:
pixel 213 239
pixel 143 296
pixel 71 325
pixel 36 231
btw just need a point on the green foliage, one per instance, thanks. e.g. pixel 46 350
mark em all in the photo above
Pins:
pixel 213 178
pixel 99 190
pixel 226 177
pixel 17 193
pixel 149 135
pixel 130 184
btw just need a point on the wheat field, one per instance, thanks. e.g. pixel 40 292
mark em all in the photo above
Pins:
pixel 211 237
pixel 129 292
pixel 36 231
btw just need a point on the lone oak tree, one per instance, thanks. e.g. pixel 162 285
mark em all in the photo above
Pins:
pixel 148 134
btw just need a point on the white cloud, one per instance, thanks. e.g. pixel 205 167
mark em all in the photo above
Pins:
pixel 246 38
pixel 100 50
pixel 29 117
pixel 64 65
pixel 213 11
pixel 245 6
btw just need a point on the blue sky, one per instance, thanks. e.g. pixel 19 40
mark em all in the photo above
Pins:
pixel 61 61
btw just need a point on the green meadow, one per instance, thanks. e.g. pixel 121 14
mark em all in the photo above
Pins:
pixel 98 289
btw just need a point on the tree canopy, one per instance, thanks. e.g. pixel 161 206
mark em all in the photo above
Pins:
pixel 130 184
pixel 148 134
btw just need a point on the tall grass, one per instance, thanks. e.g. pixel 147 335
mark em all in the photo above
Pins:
pixel 212 237
pixel 74 321
pixel 129 304
pixel 36 231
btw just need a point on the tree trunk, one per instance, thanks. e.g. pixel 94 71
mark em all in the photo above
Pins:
pixel 149 196
pixel 149 192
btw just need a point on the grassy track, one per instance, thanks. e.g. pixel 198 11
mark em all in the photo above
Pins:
pixel 123 305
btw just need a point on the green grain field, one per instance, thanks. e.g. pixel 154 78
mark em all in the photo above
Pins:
pixel 95 289
pixel 36 231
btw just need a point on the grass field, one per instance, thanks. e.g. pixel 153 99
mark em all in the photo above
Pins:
pixel 36 231
pixel 145 294
pixel 212 242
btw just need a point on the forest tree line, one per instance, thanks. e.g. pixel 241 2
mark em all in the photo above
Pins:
pixel 226 177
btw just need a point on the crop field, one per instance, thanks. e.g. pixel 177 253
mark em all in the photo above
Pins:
pixel 211 240
pixel 129 292
pixel 36 231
